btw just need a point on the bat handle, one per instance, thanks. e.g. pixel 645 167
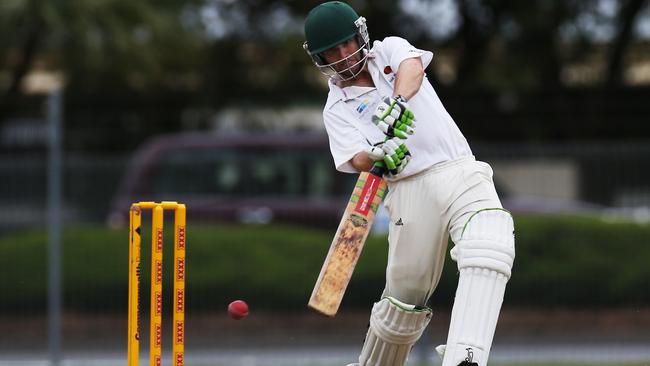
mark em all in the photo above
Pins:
pixel 378 169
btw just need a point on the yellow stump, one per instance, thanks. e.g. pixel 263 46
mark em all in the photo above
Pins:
pixel 135 219
pixel 155 312
pixel 157 234
pixel 179 285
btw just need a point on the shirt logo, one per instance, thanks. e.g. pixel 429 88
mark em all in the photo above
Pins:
pixel 389 71
pixel 361 107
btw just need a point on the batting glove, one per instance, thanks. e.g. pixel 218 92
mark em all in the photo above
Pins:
pixel 392 153
pixel 394 118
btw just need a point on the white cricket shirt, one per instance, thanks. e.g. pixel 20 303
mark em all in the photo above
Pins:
pixel 348 112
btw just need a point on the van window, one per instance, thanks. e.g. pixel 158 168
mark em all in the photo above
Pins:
pixel 239 173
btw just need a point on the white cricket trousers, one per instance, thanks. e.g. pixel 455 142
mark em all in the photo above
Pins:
pixel 425 209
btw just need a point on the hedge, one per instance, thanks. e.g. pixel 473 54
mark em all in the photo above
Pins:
pixel 561 261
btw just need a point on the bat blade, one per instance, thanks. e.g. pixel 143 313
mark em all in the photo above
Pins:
pixel 348 242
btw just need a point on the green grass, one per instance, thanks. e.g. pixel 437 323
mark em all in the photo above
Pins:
pixel 572 261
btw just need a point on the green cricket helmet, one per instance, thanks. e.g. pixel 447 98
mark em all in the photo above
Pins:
pixel 330 24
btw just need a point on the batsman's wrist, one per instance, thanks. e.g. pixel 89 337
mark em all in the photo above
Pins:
pixel 400 98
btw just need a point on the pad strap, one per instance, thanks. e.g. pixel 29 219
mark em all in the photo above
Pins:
pixel 394 328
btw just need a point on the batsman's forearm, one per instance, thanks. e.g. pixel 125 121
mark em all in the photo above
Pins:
pixel 409 78
pixel 362 162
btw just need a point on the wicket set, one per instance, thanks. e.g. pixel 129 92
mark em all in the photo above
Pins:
pixel 155 342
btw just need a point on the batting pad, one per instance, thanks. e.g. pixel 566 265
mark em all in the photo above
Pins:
pixel 394 329
pixel 485 254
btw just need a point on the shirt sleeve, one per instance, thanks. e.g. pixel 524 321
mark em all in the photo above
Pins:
pixel 345 140
pixel 398 49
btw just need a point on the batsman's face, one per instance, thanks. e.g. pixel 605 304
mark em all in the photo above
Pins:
pixel 345 57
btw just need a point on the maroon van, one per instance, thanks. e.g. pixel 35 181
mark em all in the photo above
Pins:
pixel 238 178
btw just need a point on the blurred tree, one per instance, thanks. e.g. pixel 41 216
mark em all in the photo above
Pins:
pixel 263 40
pixel 109 44
pixel 515 45
pixel 479 23
pixel 147 62
pixel 252 46
pixel 626 17
pixel 141 45
pixel 21 33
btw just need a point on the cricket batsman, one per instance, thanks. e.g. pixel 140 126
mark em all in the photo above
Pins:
pixel 381 109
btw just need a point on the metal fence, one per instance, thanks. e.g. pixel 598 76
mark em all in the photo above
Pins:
pixel 89 183
pixel 607 175
pixel 572 176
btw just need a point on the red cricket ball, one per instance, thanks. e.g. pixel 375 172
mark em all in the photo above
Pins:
pixel 238 309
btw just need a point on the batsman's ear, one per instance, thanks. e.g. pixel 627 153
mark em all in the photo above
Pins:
pixel 316 57
pixel 319 59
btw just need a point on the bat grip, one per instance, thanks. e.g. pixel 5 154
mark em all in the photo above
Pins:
pixel 378 169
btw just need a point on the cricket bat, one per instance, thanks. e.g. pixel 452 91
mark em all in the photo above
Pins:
pixel 348 242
